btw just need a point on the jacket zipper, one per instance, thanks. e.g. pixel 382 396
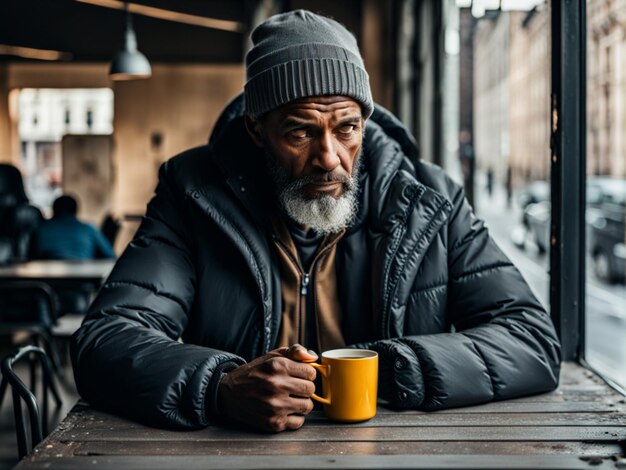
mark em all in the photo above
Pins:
pixel 303 281
pixel 305 278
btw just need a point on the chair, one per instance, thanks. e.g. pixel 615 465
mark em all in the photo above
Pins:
pixel 110 227
pixel 38 422
pixel 19 218
pixel 29 306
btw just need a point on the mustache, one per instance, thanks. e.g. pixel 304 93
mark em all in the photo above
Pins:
pixel 330 177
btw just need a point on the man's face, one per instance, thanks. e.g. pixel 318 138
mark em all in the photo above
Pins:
pixel 312 146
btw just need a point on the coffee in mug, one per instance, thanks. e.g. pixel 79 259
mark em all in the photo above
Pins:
pixel 350 384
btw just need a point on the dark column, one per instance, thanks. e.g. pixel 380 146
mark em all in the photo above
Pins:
pixel 467 27
pixel 567 256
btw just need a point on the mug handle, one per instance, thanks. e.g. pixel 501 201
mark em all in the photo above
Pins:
pixel 325 371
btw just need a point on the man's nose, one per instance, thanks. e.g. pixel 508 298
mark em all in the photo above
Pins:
pixel 326 156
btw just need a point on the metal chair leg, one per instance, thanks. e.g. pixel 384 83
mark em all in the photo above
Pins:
pixel 21 392
pixel 48 379
pixel 32 372
pixel 53 351
pixel 20 428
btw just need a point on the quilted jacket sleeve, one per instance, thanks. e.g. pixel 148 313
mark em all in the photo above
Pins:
pixel 503 345
pixel 126 355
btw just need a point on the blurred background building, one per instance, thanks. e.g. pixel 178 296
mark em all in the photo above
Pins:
pixel 606 87
pixel 512 95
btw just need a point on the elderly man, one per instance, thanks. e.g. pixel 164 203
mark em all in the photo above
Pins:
pixel 307 220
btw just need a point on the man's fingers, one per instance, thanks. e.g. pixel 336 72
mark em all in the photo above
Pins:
pixel 294 422
pixel 297 352
pixel 280 423
pixel 300 387
pixel 301 370
pixel 287 367
pixel 274 406
pixel 282 351
pixel 300 406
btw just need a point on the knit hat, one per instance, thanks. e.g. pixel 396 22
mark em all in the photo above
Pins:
pixel 300 54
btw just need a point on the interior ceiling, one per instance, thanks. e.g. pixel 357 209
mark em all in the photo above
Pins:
pixel 93 33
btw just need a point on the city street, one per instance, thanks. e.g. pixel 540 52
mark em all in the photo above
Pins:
pixel 605 304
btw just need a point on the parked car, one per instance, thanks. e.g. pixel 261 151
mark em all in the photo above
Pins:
pixel 536 222
pixel 606 211
pixel 537 191
pixel 534 193
pixel 605 189
pixel 605 214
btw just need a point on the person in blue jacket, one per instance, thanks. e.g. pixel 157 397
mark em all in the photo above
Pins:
pixel 65 237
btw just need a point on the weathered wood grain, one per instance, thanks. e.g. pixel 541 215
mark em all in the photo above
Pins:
pixel 97 423
pixel 344 448
pixel 348 433
pixel 482 419
pixel 565 462
pixel 511 406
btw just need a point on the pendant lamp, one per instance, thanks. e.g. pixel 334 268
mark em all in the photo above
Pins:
pixel 129 63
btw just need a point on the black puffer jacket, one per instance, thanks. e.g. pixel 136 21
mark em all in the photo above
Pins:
pixel 420 281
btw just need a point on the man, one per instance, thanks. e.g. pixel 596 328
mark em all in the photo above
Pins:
pixel 296 224
pixel 65 237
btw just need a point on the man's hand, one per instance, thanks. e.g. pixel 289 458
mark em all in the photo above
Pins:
pixel 272 392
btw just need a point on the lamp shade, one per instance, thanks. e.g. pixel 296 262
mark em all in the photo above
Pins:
pixel 129 63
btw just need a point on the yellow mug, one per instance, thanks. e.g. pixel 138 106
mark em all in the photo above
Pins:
pixel 350 383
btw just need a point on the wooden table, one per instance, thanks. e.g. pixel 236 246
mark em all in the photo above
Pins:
pixel 580 425
pixel 58 270
pixel 73 281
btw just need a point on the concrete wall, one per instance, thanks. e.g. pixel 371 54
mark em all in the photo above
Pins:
pixel 177 106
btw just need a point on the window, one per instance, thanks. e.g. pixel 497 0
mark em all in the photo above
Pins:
pixel 511 123
pixel 44 118
pixel 605 280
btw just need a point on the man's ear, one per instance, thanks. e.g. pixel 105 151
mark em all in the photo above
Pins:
pixel 253 126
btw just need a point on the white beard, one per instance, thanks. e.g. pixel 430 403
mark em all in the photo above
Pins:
pixel 324 214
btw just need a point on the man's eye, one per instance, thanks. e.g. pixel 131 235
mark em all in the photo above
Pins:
pixel 347 129
pixel 298 133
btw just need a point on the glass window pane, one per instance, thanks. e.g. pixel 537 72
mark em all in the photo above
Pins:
pixel 45 116
pixel 511 125
pixel 605 335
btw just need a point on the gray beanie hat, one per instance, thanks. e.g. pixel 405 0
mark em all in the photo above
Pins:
pixel 300 54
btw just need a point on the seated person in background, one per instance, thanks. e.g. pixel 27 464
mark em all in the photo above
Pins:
pixel 65 237
pixel 307 219
pixel 18 218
